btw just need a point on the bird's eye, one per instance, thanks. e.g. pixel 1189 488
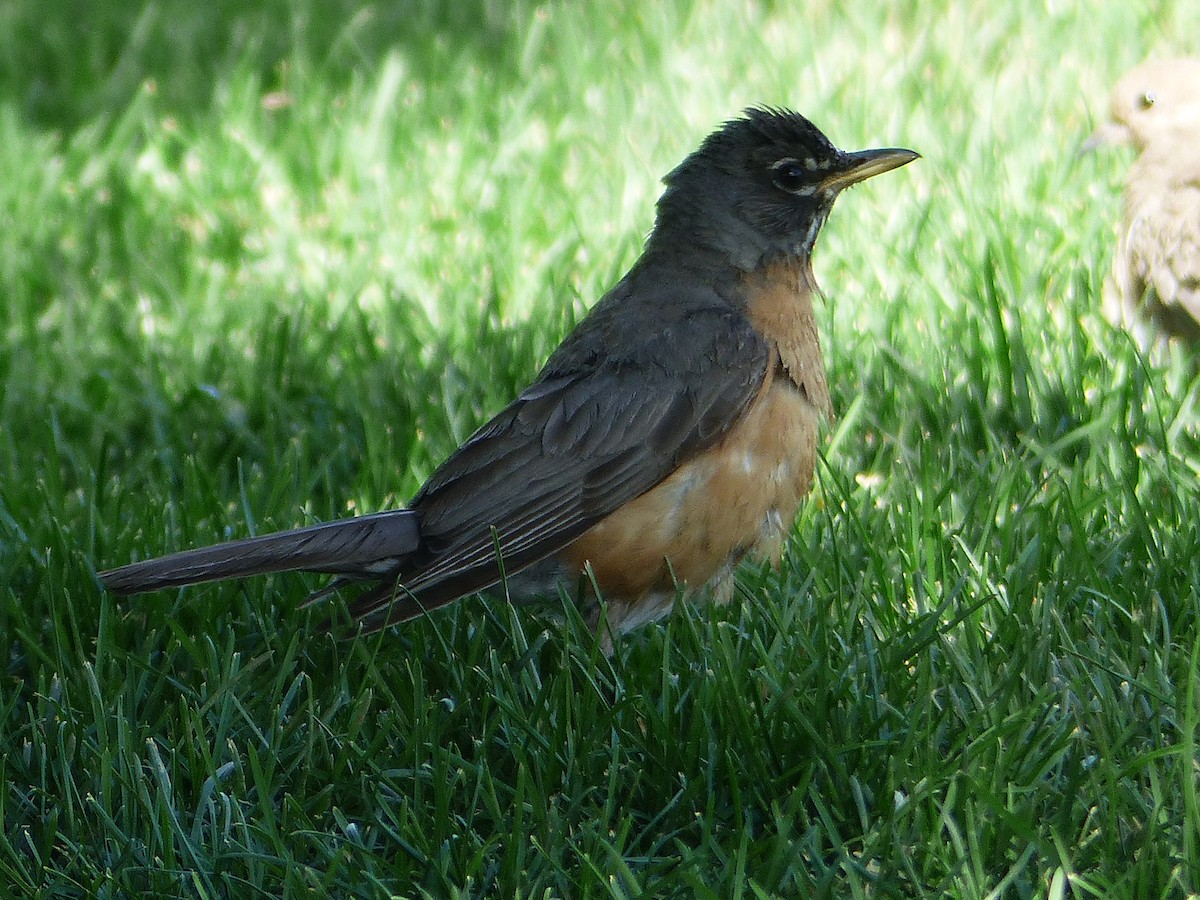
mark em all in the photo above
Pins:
pixel 1147 100
pixel 789 175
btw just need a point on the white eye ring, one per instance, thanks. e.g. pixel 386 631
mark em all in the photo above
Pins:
pixel 791 175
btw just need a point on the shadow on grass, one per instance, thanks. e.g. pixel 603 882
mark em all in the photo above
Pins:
pixel 70 62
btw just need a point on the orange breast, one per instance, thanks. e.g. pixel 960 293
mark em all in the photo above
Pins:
pixel 739 497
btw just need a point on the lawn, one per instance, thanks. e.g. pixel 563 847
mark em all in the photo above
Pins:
pixel 266 264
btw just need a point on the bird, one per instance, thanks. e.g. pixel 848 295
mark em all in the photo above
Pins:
pixel 672 434
pixel 1154 286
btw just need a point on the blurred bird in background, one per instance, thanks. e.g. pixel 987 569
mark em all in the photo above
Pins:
pixel 1154 288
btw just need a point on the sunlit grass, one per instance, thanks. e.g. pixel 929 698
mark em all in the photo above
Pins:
pixel 269 265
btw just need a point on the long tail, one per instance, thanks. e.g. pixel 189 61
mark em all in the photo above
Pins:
pixel 363 547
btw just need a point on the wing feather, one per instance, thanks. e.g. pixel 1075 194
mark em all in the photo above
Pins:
pixel 612 414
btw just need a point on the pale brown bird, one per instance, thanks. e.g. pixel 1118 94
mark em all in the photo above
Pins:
pixel 1155 279
pixel 671 435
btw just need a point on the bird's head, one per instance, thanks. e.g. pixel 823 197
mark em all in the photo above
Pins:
pixel 1157 101
pixel 761 186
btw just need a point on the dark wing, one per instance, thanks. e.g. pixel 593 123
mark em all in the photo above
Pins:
pixel 615 410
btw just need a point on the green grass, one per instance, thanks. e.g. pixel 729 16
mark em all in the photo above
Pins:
pixel 265 264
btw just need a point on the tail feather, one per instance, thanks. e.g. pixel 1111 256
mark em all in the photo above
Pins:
pixel 362 547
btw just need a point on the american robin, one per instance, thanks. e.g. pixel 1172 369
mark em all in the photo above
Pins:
pixel 1156 268
pixel 670 435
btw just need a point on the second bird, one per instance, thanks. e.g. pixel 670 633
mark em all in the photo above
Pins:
pixel 672 434
pixel 1155 280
